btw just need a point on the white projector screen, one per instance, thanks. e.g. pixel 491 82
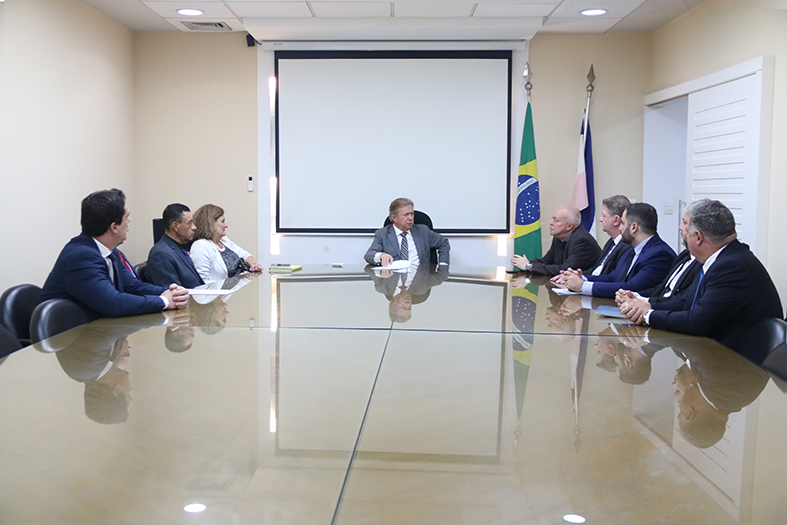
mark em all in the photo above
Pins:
pixel 355 130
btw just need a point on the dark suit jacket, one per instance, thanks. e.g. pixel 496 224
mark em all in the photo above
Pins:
pixel 618 251
pixel 168 263
pixel 81 275
pixel 579 250
pixel 649 269
pixel 687 279
pixel 385 241
pixel 733 296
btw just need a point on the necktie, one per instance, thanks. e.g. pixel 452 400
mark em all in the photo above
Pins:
pixel 702 274
pixel 600 266
pixel 126 264
pixel 405 249
pixel 630 264
pixel 114 272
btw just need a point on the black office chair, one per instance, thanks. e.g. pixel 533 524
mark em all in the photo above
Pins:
pixel 158 230
pixel 769 336
pixel 53 317
pixel 420 218
pixel 8 343
pixel 16 308
pixel 139 269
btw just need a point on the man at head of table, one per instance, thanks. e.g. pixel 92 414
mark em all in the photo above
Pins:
pixel 405 240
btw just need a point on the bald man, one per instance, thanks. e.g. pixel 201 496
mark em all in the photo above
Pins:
pixel 572 246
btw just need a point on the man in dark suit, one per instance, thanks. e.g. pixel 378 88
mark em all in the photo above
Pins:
pixel 168 260
pixel 92 272
pixel 643 267
pixel 684 272
pixel 402 239
pixel 611 221
pixel 734 290
pixel 572 246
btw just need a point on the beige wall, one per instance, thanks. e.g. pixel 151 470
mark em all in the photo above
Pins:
pixel 560 65
pixel 65 127
pixel 196 129
pixel 718 34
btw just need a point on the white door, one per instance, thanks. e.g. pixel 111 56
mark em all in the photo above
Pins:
pixel 723 152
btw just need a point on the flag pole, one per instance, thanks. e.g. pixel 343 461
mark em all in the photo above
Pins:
pixel 591 78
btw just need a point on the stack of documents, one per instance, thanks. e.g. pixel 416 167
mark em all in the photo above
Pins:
pixel 284 268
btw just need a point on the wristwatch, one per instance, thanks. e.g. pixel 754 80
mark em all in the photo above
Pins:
pixel 528 266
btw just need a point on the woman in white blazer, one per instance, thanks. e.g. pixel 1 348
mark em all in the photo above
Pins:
pixel 215 256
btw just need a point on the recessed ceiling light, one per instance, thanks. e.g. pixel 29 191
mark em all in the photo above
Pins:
pixel 190 12
pixel 594 12
pixel 573 518
pixel 195 507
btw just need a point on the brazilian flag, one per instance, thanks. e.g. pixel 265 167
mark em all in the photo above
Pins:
pixel 527 235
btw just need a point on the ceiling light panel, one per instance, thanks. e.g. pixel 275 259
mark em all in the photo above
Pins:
pixel 270 9
pixel 433 9
pixel 506 9
pixel 614 8
pixel 352 9
pixel 210 9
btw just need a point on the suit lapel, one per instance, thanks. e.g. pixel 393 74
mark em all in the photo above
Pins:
pixel 179 252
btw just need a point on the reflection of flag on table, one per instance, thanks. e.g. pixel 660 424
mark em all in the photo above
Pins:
pixel 527 233
pixel 523 314
pixel 584 196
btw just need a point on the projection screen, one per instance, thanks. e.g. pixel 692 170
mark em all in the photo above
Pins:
pixel 354 130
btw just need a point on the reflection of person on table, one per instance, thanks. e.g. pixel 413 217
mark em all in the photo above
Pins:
pixel 404 289
pixel 215 256
pixel 405 240
pixel 99 359
pixel 709 386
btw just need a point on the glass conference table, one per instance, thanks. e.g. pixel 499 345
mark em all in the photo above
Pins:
pixel 338 396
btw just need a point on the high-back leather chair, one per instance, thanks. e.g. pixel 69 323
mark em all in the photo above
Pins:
pixel 55 316
pixel 16 308
pixel 8 343
pixel 420 218
pixel 140 270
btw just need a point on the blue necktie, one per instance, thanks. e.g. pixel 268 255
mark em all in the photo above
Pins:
pixel 702 274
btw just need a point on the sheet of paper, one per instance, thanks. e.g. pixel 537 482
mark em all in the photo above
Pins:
pixel 610 311
pixel 395 265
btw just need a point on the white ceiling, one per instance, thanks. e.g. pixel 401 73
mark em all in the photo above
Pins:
pixel 293 20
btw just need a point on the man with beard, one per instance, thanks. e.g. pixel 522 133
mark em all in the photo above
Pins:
pixel 684 272
pixel 641 268
pixel 732 294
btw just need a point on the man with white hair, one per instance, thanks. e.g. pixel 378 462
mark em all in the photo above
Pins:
pixel 572 246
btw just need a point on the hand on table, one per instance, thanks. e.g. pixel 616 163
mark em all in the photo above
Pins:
pixel 520 261
pixel 634 308
pixel 177 297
